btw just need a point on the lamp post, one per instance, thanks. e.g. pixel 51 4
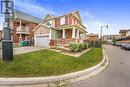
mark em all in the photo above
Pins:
pixel 101 34
pixel 7 45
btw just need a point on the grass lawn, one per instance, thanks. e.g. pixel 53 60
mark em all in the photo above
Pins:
pixel 48 63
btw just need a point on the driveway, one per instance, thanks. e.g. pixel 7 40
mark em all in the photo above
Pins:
pixel 116 75
pixel 21 50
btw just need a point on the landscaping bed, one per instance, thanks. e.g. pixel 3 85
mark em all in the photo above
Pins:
pixel 68 52
pixel 48 63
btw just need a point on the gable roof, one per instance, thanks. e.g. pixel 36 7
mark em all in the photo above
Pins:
pixel 42 26
pixel 74 13
pixel 77 15
pixel 48 16
pixel 28 17
pixel 38 26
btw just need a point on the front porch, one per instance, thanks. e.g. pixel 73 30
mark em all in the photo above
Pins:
pixel 64 36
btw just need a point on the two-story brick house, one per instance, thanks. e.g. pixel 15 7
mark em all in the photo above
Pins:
pixel 22 25
pixel 59 30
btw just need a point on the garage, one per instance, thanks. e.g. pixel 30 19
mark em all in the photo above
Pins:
pixel 42 41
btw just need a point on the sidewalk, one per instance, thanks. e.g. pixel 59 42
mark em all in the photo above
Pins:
pixel 22 50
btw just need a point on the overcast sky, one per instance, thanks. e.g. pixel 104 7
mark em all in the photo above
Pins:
pixel 94 13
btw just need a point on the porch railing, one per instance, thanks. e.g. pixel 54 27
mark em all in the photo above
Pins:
pixel 62 41
pixel 22 30
pixel 65 41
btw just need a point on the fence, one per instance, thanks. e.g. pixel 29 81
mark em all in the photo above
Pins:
pixel 93 43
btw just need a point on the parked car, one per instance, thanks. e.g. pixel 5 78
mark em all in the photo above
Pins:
pixel 127 47
pixel 122 46
pixel 118 44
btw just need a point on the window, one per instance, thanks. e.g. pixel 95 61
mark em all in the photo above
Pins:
pixel 62 21
pixel 49 23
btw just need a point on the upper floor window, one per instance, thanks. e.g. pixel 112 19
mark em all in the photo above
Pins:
pixel 62 21
pixel 48 23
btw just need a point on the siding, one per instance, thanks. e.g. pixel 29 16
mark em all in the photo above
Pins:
pixel 42 30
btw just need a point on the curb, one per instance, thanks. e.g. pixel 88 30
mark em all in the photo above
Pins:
pixel 71 77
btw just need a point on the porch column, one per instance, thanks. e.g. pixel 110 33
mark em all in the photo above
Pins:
pixel 77 34
pixel 63 35
pixel 73 32
pixel 20 37
pixel 20 24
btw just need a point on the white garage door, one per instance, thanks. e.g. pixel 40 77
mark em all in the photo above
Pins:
pixel 42 41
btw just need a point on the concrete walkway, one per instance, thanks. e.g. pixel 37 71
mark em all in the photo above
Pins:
pixel 71 54
pixel 22 50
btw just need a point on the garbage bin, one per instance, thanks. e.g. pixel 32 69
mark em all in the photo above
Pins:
pixel 28 43
pixel 25 43
pixel 22 43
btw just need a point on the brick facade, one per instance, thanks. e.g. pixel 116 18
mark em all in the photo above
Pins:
pixel 31 26
pixel 64 29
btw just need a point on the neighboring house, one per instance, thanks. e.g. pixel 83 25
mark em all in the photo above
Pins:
pixel 109 38
pixel 125 36
pixel 92 40
pixel 123 33
pixel 128 32
pixel 92 37
pixel 59 31
pixel 22 26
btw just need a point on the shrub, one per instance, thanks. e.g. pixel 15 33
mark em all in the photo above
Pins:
pixel 75 46
pixel 79 46
pixel 72 46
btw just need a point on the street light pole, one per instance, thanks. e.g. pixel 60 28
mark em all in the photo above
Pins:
pixel 7 45
pixel 101 34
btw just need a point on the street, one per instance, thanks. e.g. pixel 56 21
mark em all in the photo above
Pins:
pixel 116 75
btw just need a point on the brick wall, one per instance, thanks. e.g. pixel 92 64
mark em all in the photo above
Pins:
pixel 15 36
pixel 68 20
pixel 31 26
pixel 57 22
pixel 68 33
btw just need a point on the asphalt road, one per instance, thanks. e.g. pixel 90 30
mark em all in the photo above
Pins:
pixel 116 75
